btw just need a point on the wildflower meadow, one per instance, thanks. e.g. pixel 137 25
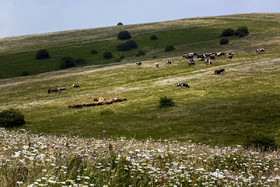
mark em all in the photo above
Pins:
pixel 28 159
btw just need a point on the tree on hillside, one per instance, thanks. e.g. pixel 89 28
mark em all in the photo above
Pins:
pixel 124 35
pixel 42 54
pixel 67 62
pixel 131 44
pixel 228 32
pixel 120 23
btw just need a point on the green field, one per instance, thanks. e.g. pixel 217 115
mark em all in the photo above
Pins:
pixel 216 110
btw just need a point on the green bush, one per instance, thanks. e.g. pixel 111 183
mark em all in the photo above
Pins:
pixel 131 44
pixel 228 32
pixel 122 57
pixel 118 60
pixel 169 48
pixel 165 102
pixel 93 52
pixel 107 55
pixel 42 54
pixel 120 23
pixel 11 118
pixel 243 30
pixel 224 41
pixel 124 35
pixel 261 142
pixel 153 37
pixel 140 53
pixel 67 62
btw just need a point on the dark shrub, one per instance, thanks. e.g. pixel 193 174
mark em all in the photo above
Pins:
pixel 25 73
pixel 124 35
pixel 224 41
pixel 260 142
pixel 140 53
pixel 120 23
pixel 228 32
pixel 127 46
pixel 11 118
pixel 244 30
pixel 153 37
pixel 165 102
pixel 67 62
pixel 42 54
pixel 107 55
pixel 169 48
pixel 122 57
pixel 80 61
pixel 93 52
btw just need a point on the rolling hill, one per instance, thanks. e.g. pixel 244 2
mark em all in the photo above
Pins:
pixel 217 109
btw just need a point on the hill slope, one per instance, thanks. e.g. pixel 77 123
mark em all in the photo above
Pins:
pixel 217 109
pixel 17 54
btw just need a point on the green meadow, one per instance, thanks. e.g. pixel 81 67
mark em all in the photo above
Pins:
pixel 216 110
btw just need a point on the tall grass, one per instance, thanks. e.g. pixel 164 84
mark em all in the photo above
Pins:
pixel 43 160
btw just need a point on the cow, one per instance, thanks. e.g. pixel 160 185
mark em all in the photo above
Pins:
pixel 212 56
pixel 168 62
pixel 260 50
pixel 76 86
pixel 191 62
pixel 138 63
pixel 230 56
pixel 231 53
pixel 190 55
pixel 221 54
pixel 208 62
pixel 201 56
pixel 219 71
pixel 53 90
pixel 61 89
pixel 156 65
pixel 183 85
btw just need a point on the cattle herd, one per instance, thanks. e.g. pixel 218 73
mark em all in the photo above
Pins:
pixel 98 102
pixel 206 57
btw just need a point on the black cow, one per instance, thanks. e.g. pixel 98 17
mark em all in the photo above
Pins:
pixel 191 62
pixel 219 71
pixel 183 85
pixel 138 63
pixel 168 62
pixel 75 86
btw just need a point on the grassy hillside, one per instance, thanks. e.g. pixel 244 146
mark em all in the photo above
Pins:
pixel 17 54
pixel 217 109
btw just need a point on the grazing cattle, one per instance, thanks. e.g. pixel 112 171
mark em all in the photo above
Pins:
pixel 201 59
pixel 156 65
pixel 168 62
pixel 61 89
pixel 49 91
pixel 212 56
pixel 138 63
pixel 76 86
pixel 190 55
pixel 221 54
pixel 231 53
pixel 191 62
pixel 260 50
pixel 54 90
pixel 219 71
pixel 183 85
pixel 208 62
pixel 230 56
pixel 201 56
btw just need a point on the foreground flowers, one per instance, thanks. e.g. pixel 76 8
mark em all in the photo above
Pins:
pixel 34 160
